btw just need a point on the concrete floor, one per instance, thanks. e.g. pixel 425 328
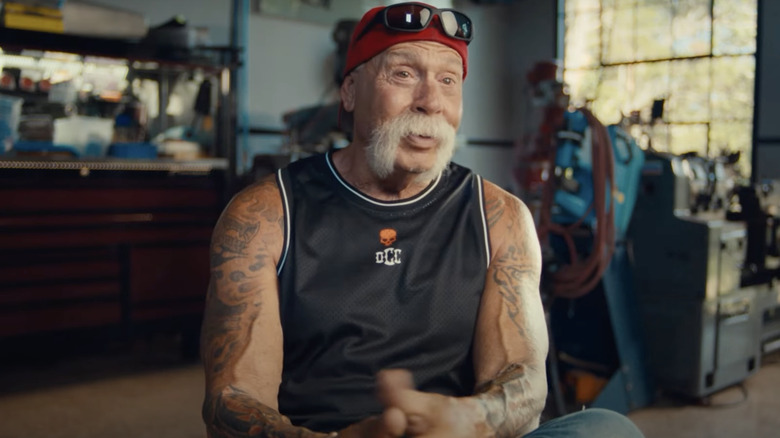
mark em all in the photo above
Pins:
pixel 149 392
pixel 751 410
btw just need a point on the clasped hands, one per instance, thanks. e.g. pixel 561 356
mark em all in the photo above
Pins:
pixel 412 413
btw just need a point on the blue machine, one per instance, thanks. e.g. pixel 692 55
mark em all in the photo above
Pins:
pixel 600 331
pixel 574 197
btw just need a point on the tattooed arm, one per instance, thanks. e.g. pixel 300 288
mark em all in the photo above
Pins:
pixel 510 343
pixel 242 337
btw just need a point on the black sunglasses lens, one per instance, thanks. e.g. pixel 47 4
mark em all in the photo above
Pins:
pixel 407 17
pixel 456 25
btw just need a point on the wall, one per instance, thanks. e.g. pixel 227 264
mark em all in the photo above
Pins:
pixel 767 128
pixel 290 65
pixel 510 40
pixel 486 105
pixel 299 72
pixel 532 39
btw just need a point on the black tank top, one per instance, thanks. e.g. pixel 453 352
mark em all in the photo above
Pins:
pixel 367 285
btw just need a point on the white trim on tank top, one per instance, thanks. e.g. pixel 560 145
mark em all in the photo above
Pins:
pixel 484 220
pixel 374 201
pixel 287 229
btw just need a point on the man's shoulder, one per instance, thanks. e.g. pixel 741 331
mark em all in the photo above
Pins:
pixel 505 212
pixel 264 191
pixel 492 191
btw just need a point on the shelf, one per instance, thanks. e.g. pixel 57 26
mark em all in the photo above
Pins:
pixel 139 55
pixel 132 50
pixel 202 166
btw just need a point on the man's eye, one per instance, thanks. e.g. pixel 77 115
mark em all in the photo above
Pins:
pixel 448 81
pixel 403 74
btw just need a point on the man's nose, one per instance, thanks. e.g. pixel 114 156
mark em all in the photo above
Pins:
pixel 428 98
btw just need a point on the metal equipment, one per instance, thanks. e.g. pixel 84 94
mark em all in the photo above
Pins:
pixel 579 179
pixel 702 327
pixel 596 338
pixel 759 206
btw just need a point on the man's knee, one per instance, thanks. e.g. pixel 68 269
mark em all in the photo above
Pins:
pixel 606 423
pixel 594 422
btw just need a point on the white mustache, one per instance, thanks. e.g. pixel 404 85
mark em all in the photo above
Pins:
pixel 385 140
pixel 422 125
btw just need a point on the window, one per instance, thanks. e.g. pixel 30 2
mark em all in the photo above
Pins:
pixel 696 55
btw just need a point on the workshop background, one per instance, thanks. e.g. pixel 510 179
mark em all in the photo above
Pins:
pixel 643 134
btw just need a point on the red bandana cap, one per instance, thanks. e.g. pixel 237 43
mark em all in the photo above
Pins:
pixel 379 38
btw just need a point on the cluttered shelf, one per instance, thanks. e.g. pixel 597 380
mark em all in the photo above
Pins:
pixel 98 100
pixel 146 49
pixel 91 82
pixel 117 145
pixel 202 165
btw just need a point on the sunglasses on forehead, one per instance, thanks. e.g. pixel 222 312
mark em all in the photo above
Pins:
pixel 415 17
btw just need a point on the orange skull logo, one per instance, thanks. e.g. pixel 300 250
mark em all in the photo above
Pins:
pixel 387 236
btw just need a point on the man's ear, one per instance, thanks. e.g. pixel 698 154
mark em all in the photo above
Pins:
pixel 348 92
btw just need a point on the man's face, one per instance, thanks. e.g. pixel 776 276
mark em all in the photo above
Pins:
pixel 407 105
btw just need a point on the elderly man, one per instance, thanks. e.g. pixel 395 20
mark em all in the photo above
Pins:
pixel 381 291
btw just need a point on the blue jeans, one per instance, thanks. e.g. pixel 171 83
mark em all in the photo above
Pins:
pixel 590 423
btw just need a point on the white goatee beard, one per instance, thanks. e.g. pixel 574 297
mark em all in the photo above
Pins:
pixel 383 145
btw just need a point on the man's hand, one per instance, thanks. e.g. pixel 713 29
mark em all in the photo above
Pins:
pixel 391 424
pixel 427 415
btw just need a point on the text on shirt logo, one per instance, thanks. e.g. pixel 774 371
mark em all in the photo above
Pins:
pixel 389 257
